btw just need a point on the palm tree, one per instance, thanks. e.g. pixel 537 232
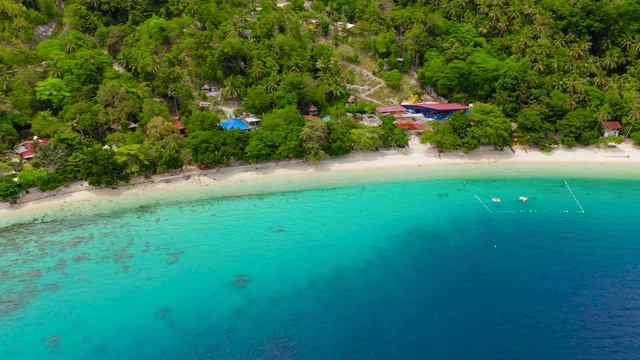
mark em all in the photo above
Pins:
pixel 609 62
pixel 603 115
pixel 231 90
pixel 6 84
pixel 502 26
pixel 272 84
pixel 576 52
pixel 68 45
pixel 483 7
pixel 556 65
pixel 559 43
pixel 55 72
pixel 625 43
pixel 539 67
pixel 592 67
pixel 600 79
pixel 154 66
pixel 634 115
pixel 257 70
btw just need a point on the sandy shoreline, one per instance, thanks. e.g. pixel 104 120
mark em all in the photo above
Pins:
pixel 416 162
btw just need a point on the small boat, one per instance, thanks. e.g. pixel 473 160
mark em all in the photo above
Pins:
pixel 523 198
pixel 496 200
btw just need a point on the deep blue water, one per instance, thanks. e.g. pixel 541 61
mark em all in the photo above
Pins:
pixel 413 270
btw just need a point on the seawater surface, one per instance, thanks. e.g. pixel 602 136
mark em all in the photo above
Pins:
pixel 407 270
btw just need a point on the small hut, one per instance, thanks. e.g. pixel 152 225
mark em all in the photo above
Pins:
pixel 313 110
pixel 611 128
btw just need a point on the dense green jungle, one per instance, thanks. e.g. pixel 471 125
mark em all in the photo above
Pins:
pixel 105 81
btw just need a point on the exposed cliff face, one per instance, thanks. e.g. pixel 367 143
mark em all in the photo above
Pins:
pixel 44 31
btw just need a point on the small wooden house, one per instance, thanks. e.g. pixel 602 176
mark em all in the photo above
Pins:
pixel 313 110
pixel 611 128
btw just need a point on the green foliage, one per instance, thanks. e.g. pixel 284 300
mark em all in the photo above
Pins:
pixel 485 126
pixel 51 181
pixel 549 66
pixel 101 168
pixel 53 91
pixel 393 79
pixel 339 139
pixel 31 178
pixel 579 126
pixel 203 121
pixel 45 125
pixel 368 138
pixel 8 135
pixel 8 189
pixel 215 147
pixel 170 161
pixel 314 139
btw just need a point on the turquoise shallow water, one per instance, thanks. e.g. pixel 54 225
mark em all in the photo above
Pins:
pixel 422 269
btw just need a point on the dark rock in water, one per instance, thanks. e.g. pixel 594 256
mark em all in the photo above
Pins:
pixel 81 257
pixel 280 347
pixel 174 257
pixel 442 195
pixel 241 281
pixel 162 313
pixel 52 342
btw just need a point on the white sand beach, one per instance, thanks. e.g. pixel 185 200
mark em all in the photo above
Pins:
pixel 416 162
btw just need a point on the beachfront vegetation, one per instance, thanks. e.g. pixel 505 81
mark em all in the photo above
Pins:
pixel 103 79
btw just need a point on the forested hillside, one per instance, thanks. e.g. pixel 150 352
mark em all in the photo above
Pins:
pixel 103 79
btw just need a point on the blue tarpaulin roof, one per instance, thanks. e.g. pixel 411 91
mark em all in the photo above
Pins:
pixel 234 123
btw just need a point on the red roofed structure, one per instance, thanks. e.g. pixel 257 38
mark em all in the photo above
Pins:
pixel 179 125
pixel 611 125
pixel 390 110
pixel 410 125
pixel 25 150
pixel 611 128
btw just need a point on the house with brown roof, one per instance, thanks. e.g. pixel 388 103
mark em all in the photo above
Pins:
pixel 611 128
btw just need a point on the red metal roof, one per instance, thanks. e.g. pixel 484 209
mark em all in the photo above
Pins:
pixel 611 125
pixel 442 107
pixel 412 126
pixel 27 154
pixel 390 109
pixel 29 143
pixel 179 125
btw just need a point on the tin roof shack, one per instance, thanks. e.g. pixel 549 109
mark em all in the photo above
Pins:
pixel 611 128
